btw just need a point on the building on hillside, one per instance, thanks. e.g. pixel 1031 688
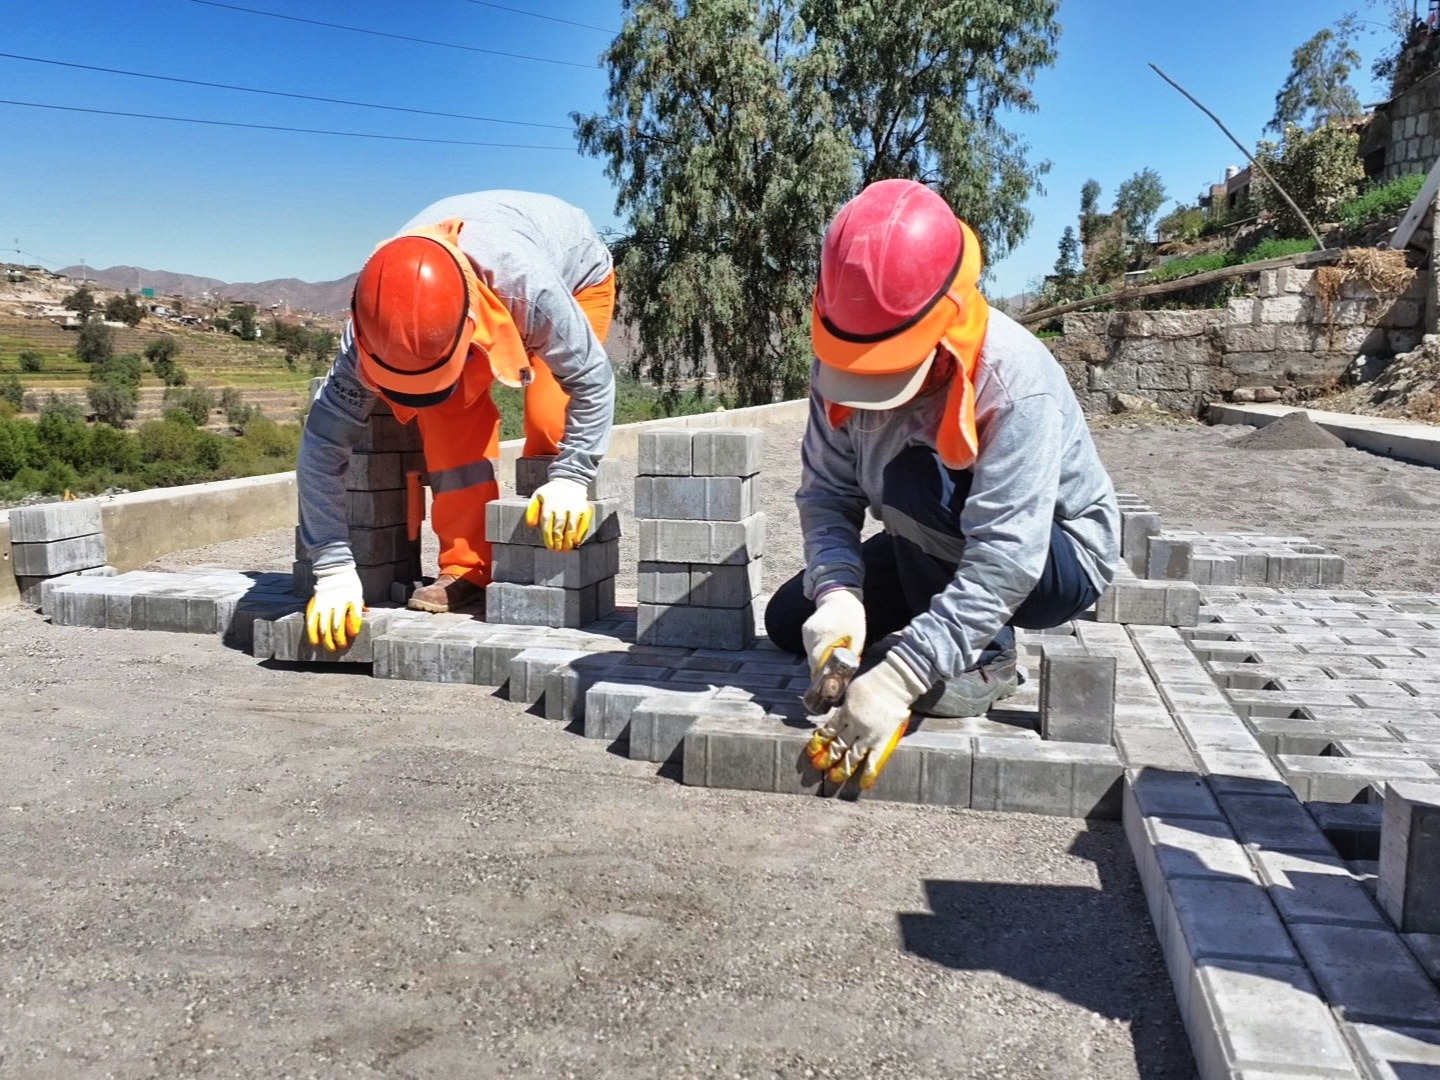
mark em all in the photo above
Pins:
pixel 1230 194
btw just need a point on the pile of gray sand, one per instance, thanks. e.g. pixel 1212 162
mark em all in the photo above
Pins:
pixel 1293 431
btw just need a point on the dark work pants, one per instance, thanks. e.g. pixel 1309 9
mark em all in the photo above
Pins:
pixel 904 572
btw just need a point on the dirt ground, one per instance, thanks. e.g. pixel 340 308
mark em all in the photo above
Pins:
pixel 211 867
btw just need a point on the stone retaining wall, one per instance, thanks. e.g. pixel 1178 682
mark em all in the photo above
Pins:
pixel 1271 346
pixel 1414 130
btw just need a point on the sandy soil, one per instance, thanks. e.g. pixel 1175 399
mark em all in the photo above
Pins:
pixel 211 867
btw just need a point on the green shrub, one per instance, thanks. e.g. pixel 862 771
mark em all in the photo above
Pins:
pixel 1191 264
pixel 31 361
pixel 161 352
pixel 208 450
pixel 1277 248
pixel 126 369
pixel 112 401
pixel 1184 223
pixel 1320 169
pixel 58 478
pixel 12 391
pixel 266 439
pixel 1381 201
pixel 62 433
pixel 95 344
pixel 19 447
pixel 196 401
pixel 237 411
pixel 113 450
pixel 165 440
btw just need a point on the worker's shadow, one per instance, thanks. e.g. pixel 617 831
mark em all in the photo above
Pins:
pixel 1092 946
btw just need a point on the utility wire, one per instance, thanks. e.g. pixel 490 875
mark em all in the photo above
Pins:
pixel 276 127
pixel 547 18
pixel 393 37
pixel 278 93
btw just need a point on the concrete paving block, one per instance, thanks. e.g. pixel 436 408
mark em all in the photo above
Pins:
pixel 726 586
pixel 1262 1021
pixel 1273 823
pixel 1157 748
pixel 1353 829
pixel 302 578
pixel 1171 793
pixel 695 627
pixel 377 581
pixel 1182 604
pixel 374 472
pixel 732 452
pixel 659 723
pixel 748 755
pixel 289 643
pixel 1343 780
pixel 534 471
pixel 49 522
pixel 1077 694
pixel 1062 779
pixel 513 563
pixel 1368 975
pixel 386 435
pixel 505 522
pixel 664 583
pixel 375 509
pixel 415 655
pixel 1409 885
pixel 566 687
pixel 1168 559
pixel 544 605
pixel 36 592
pixel 250 614
pixel 529 668
pixel 665 453
pixel 1136 528
pixel 589 563
pixel 58 557
pixel 1397 1053
pixel 380 546
pixel 1316 888
pixel 722 543
pixel 932 768
pixel 696 498
pixel 610 703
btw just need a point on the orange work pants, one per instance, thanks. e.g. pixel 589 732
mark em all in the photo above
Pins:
pixel 462 448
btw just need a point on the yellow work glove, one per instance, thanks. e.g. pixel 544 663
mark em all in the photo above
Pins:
pixel 562 512
pixel 838 622
pixel 866 727
pixel 335 613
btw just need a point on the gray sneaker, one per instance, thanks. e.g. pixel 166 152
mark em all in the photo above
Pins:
pixel 973 692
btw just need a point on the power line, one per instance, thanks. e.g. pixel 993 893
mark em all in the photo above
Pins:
pixel 393 37
pixel 547 18
pixel 276 127
pixel 279 93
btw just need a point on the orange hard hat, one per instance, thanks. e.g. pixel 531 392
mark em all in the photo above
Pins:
pixel 414 315
pixel 898 271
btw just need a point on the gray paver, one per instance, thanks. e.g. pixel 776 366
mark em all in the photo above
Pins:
pixel 660 722
pixel 54 521
pixel 701 628
pixel 696 498
pixel 59 556
pixel 748 755
pixel 1368 974
pixel 505 522
pixel 375 509
pixel 1077 694
pixel 714 543
pixel 1409 885
pixel 543 605
pixel 665 453
pixel 1169 559
pixel 375 472
pixel 1062 779
pixel 1398 1053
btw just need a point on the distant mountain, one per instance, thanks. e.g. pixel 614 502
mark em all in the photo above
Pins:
pixel 323 298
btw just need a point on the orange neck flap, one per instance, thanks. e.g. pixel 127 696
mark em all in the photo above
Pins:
pixel 957 440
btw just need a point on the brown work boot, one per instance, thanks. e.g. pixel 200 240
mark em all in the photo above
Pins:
pixel 447 594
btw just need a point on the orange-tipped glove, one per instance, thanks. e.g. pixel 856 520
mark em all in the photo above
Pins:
pixel 562 512
pixel 335 613
pixel 864 731
pixel 838 622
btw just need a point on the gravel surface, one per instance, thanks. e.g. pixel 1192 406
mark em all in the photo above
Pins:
pixel 217 868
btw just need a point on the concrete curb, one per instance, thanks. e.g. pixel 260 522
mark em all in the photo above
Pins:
pixel 1405 440
pixel 145 525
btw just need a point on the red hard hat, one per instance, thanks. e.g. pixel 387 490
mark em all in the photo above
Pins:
pixel 887 294
pixel 412 315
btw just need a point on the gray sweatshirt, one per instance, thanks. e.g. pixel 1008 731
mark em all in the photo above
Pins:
pixel 535 252
pixel 1037 465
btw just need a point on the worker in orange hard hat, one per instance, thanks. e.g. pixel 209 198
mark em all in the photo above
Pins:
pixel 503 286
pixel 957 429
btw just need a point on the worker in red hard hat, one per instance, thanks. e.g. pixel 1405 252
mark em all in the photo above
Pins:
pixel 957 429
pixel 504 286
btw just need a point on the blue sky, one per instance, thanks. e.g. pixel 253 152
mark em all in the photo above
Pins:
pixel 245 205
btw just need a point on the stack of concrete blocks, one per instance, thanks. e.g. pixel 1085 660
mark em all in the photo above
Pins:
pixel 701 537
pixel 1409 885
pixel 376 496
pixel 1138 522
pixel 55 540
pixel 534 586
pixel 1236 558
pixel 1077 693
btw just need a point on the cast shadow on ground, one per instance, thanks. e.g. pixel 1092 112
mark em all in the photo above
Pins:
pixel 1048 937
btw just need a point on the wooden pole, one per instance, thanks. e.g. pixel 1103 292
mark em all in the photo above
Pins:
pixel 1253 161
